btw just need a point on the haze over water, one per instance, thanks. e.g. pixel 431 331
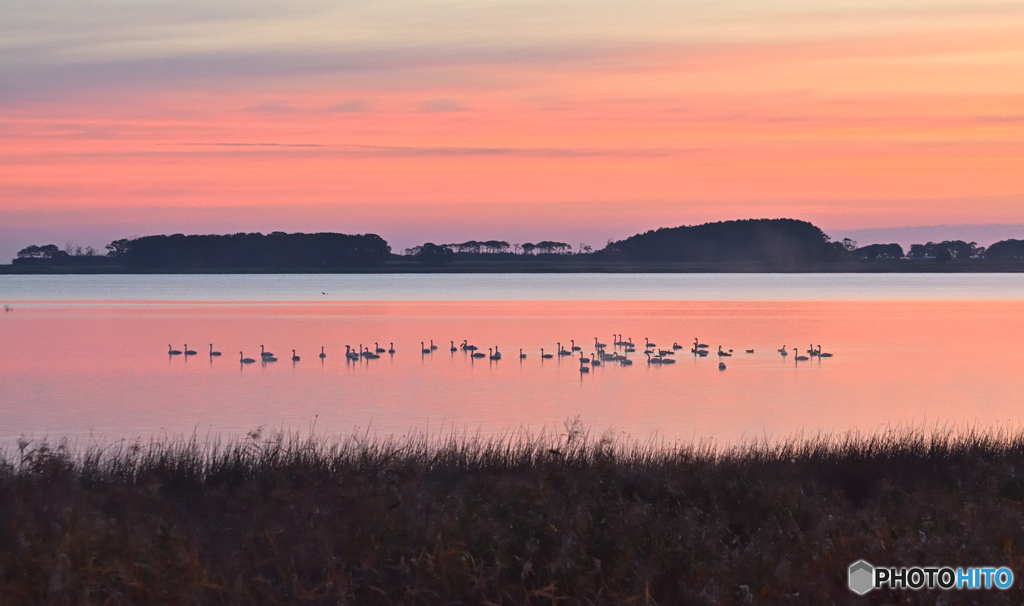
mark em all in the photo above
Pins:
pixel 87 355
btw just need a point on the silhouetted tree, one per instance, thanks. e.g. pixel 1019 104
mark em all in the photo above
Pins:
pixel 1006 249
pixel 873 252
pixel 958 249
pixel 547 246
pixel 776 240
pixel 321 250
pixel 528 248
pixel 944 255
pixel 432 255
pixel 496 246
pixel 48 251
pixel 118 248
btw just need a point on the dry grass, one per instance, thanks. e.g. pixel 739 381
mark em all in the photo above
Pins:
pixel 526 519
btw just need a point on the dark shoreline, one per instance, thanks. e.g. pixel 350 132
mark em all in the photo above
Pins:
pixel 567 264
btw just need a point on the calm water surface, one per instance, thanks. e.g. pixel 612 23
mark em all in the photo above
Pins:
pixel 87 355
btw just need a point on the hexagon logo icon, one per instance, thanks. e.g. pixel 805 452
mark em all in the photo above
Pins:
pixel 861 577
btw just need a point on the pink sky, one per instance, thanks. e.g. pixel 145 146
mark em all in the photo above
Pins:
pixel 448 121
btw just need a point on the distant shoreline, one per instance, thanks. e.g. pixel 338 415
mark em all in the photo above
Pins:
pixel 566 264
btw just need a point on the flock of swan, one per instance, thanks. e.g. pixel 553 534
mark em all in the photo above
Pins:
pixel 654 354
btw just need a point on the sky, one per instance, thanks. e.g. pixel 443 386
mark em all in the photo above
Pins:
pixel 447 120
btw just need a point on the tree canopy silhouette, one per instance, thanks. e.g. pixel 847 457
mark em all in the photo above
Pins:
pixel 432 255
pixel 1006 249
pixel 873 252
pixel 773 240
pixel 255 250
pixel 957 249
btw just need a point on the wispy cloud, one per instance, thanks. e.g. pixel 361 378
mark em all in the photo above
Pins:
pixel 356 106
pixel 441 105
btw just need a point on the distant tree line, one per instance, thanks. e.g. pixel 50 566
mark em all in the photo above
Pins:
pixel 770 240
pixel 252 250
pixel 787 241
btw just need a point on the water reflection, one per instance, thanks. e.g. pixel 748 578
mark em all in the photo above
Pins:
pixel 103 370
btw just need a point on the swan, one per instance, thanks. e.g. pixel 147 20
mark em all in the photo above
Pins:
pixel 454 349
pixel 269 359
pixel 584 360
pixel 625 361
pixel 598 345
pixel 783 351
pixel 721 366
pixel 823 355
pixel 676 346
pixel 264 353
pixel 594 361
pixel 666 352
pixel 497 354
pixel 467 346
pixel 667 361
pixel 432 346
pixel 651 360
pixel 172 352
pixel 189 352
pixel 391 348
pixel 723 353
pixel 213 353
pixel 649 344
pixel 521 354
pixel 618 340
pixel 562 351
pixel 493 356
pixel 544 355
pixel 378 348
pixel 812 351
pixel 750 351
pixel 698 345
pixel 245 360
pixel 799 358
pixel 371 356
pixel 424 348
pixel 478 354
pixel 322 354
pixel 573 346
pixel 295 358
pixel 583 368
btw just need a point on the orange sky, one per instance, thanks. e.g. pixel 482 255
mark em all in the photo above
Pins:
pixel 462 120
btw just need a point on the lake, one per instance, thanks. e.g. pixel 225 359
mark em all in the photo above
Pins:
pixel 87 356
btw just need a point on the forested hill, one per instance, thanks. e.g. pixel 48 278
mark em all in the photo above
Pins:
pixel 254 250
pixel 769 240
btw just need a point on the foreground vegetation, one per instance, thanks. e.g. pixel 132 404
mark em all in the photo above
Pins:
pixel 525 519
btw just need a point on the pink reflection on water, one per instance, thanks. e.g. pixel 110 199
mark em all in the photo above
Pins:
pixel 103 369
